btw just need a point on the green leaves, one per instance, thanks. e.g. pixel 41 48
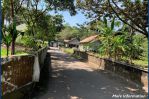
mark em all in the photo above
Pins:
pixel 7 39
pixel 105 22
pixel 130 12
pixel 63 5
pixel 69 32
pixel 118 44
pixel 113 23
pixel 6 36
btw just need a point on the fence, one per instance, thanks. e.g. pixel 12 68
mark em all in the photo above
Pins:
pixel 127 71
pixel 17 71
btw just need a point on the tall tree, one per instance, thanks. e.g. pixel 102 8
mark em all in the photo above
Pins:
pixel 48 26
pixel 130 12
pixel 13 29
pixel 9 10
pixel 13 9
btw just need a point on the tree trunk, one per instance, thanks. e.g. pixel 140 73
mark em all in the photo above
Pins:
pixel 12 31
pixel 12 8
pixel 7 51
pixel 13 47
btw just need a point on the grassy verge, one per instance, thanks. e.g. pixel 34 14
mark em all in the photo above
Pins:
pixel 4 52
pixel 142 63
pixel 68 50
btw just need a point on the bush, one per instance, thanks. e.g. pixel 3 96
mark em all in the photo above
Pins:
pixel 31 42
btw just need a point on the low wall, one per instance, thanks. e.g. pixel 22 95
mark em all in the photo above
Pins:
pixel 41 56
pixel 17 71
pixel 132 73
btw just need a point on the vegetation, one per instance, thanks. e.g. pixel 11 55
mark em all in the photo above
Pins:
pixel 123 42
pixel 4 52
pixel 68 50
pixel 69 32
pixel 119 25
pixel 130 12
pixel 120 44
pixel 6 40
pixel 34 13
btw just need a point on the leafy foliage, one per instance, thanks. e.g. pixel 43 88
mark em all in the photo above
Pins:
pixel 130 12
pixel 120 45
pixel 35 14
pixel 6 38
pixel 69 32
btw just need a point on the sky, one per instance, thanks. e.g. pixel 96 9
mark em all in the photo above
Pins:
pixel 79 18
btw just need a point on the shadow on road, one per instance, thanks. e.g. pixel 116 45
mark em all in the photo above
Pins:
pixel 70 79
pixel 45 76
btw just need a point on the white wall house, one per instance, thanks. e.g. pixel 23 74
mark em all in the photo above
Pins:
pixel 72 43
pixel 90 43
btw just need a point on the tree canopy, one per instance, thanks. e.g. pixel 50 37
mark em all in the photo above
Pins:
pixel 35 14
pixel 130 12
pixel 69 32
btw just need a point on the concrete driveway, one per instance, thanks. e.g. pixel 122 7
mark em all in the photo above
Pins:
pixel 72 79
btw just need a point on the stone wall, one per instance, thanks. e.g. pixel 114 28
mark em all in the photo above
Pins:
pixel 127 71
pixel 17 70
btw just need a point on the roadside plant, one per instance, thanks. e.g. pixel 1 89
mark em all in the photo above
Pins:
pixel 106 36
pixel 6 38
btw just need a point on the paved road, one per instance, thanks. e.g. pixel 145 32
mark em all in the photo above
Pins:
pixel 72 79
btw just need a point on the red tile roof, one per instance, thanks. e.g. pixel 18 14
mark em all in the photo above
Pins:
pixel 89 39
pixel 66 41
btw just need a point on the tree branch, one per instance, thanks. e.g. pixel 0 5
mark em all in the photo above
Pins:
pixel 125 21
pixel 127 16
pixel 17 9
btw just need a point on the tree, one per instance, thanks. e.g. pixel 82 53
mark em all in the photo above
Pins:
pixel 62 5
pixel 6 38
pixel 33 12
pixel 9 8
pixel 69 32
pixel 48 26
pixel 130 12
pixel 106 36
pixel 16 12
pixel 119 44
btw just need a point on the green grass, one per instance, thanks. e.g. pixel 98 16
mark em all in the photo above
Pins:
pixel 142 63
pixel 68 50
pixel 4 52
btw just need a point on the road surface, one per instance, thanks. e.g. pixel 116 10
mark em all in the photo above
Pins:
pixel 72 79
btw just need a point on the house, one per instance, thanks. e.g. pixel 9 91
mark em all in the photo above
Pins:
pixel 21 27
pixel 66 43
pixel 55 43
pixel 90 43
pixel 74 42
